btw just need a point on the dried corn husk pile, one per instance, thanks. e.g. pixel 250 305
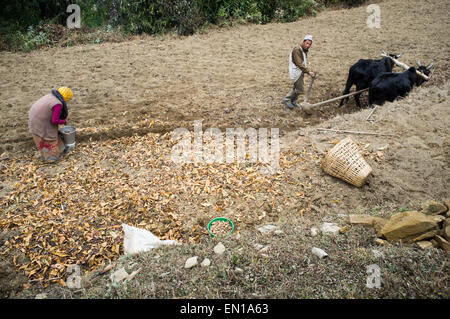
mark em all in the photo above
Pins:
pixel 71 213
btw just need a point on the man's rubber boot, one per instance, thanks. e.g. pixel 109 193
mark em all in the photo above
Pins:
pixel 288 103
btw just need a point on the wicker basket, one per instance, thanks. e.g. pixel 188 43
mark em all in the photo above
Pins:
pixel 345 162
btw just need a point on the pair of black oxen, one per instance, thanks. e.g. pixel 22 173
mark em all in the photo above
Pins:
pixel 382 83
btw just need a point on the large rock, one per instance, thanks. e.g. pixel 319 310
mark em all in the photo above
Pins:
pixel 434 208
pixel 381 242
pixel 366 220
pixel 191 262
pixel 319 252
pixel 121 275
pixel 378 224
pixel 438 218
pixel 444 244
pixel 447 229
pixel 426 235
pixel 206 262
pixel 267 229
pixel 408 226
pixel 424 244
pixel 329 229
pixel 361 219
pixel 447 204
pixel 219 249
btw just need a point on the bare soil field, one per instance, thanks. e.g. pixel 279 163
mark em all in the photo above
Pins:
pixel 228 78
pixel 129 96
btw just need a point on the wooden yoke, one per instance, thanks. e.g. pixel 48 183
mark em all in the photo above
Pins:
pixel 404 66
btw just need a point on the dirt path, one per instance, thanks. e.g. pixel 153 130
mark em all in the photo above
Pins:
pixel 228 78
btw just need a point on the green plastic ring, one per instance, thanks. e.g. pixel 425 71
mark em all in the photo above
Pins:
pixel 222 219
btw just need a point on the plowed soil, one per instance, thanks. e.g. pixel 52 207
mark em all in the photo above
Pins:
pixel 228 77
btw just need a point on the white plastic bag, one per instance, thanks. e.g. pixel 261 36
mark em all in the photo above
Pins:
pixel 139 240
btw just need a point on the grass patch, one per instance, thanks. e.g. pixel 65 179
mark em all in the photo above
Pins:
pixel 286 270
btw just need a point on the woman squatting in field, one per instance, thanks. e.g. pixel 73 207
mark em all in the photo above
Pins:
pixel 43 119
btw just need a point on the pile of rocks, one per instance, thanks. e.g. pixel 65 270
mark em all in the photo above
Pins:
pixel 219 249
pixel 428 228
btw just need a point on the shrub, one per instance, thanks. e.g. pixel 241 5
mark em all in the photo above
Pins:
pixel 182 16
pixel 21 21
pixel 293 9
pixel 34 40
pixel 346 3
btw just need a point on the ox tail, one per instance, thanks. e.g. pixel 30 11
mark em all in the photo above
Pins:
pixel 348 86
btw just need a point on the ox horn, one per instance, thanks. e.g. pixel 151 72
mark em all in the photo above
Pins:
pixel 418 63
pixel 430 66
pixel 399 55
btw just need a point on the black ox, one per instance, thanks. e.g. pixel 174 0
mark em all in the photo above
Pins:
pixel 389 86
pixel 363 72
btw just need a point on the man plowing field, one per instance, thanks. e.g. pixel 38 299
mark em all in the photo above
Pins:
pixel 297 69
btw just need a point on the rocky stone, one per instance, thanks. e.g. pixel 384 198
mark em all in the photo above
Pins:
pixel 427 235
pixel 447 204
pixel 408 226
pixel 443 243
pixel 122 275
pixel 438 218
pixel 205 263
pixel 434 208
pixel 378 223
pixel 381 242
pixel 267 229
pixel 119 275
pixel 319 253
pixel 239 270
pixel 434 243
pixel 191 262
pixel 425 244
pixel 41 296
pixel 219 249
pixel 361 219
pixel 367 220
pixel 447 229
pixel 329 229
pixel 314 231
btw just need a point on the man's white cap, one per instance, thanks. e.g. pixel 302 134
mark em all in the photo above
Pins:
pixel 308 37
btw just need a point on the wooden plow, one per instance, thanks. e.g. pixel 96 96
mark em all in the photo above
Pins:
pixel 306 106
